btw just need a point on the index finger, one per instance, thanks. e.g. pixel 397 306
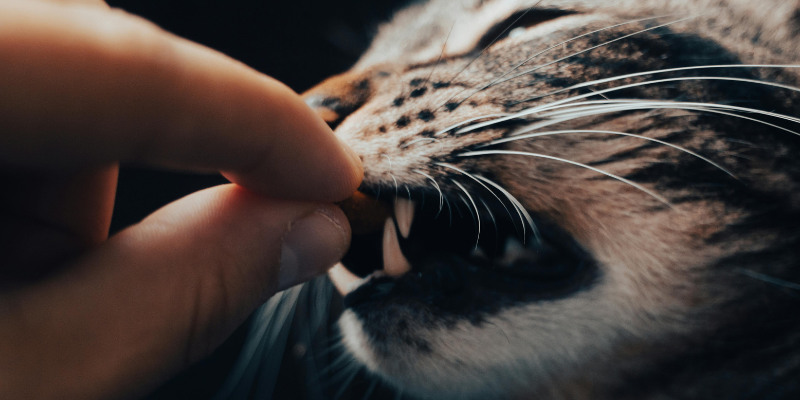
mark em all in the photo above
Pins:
pixel 83 86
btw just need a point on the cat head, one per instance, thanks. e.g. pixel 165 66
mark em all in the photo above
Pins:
pixel 591 199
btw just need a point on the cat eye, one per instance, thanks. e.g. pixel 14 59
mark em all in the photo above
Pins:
pixel 516 24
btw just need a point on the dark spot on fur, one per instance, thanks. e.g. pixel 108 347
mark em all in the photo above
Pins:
pixel 383 74
pixel 403 121
pixel 417 82
pixel 382 129
pixel 419 92
pixel 560 82
pixel 451 106
pixel 331 102
pixel 473 104
pixel 439 85
pixel 398 101
pixel 363 85
pixel 427 133
pixel 426 115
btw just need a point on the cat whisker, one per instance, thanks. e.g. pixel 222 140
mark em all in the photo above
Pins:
pixel 444 47
pixel 662 71
pixel 396 189
pixel 593 48
pixel 534 135
pixel 657 81
pixel 467 174
pixel 341 359
pixel 590 105
pixel 370 389
pixel 556 104
pixel 492 42
pixel 492 83
pixel 346 384
pixel 630 105
pixel 449 211
pixel 477 213
pixel 415 141
pixel 462 123
pixel 388 159
pixel 534 69
pixel 494 221
pixel 524 153
pixel 518 206
pixel 768 279
pixel 436 185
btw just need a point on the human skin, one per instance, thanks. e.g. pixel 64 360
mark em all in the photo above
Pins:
pixel 85 87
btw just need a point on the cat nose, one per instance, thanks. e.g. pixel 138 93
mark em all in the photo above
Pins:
pixel 337 97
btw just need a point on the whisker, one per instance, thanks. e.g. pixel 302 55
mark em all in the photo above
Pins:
pixel 492 83
pixel 462 123
pixel 590 105
pixel 661 71
pixel 396 189
pixel 467 174
pixel 370 389
pixel 477 213
pixel 630 105
pixel 436 185
pixel 768 279
pixel 346 384
pixel 444 47
pixel 341 359
pixel 518 206
pixel 657 81
pixel 344 374
pixel 449 211
pixel 493 42
pixel 592 48
pixel 388 158
pixel 494 221
pixel 537 109
pixel 534 135
pixel 415 141
pixel 523 153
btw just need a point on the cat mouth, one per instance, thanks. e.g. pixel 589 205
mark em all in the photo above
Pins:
pixel 453 250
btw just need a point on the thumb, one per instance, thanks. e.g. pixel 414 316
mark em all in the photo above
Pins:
pixel 161 294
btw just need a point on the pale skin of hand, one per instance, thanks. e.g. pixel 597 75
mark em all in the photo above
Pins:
pixel 84 87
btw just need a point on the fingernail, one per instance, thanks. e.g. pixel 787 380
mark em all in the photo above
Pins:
pixel 312 245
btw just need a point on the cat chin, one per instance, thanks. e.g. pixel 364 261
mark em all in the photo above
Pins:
pixel 406 371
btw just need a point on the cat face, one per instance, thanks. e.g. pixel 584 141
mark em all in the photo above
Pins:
pixel 586 199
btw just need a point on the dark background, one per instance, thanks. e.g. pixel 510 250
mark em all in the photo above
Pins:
pixel 298 42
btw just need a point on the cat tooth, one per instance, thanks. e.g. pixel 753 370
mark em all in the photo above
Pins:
pixel 394 262
pixel 514 249
pixel 404 213
pixel 344 280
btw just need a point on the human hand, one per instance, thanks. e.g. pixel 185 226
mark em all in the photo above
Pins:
pixel 83 87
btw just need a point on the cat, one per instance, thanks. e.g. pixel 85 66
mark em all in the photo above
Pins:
pixel 575 199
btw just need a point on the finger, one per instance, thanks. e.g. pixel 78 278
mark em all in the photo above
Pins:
pixel 85 87
pixel 91 2
pixel 45 220
pixel 161 294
